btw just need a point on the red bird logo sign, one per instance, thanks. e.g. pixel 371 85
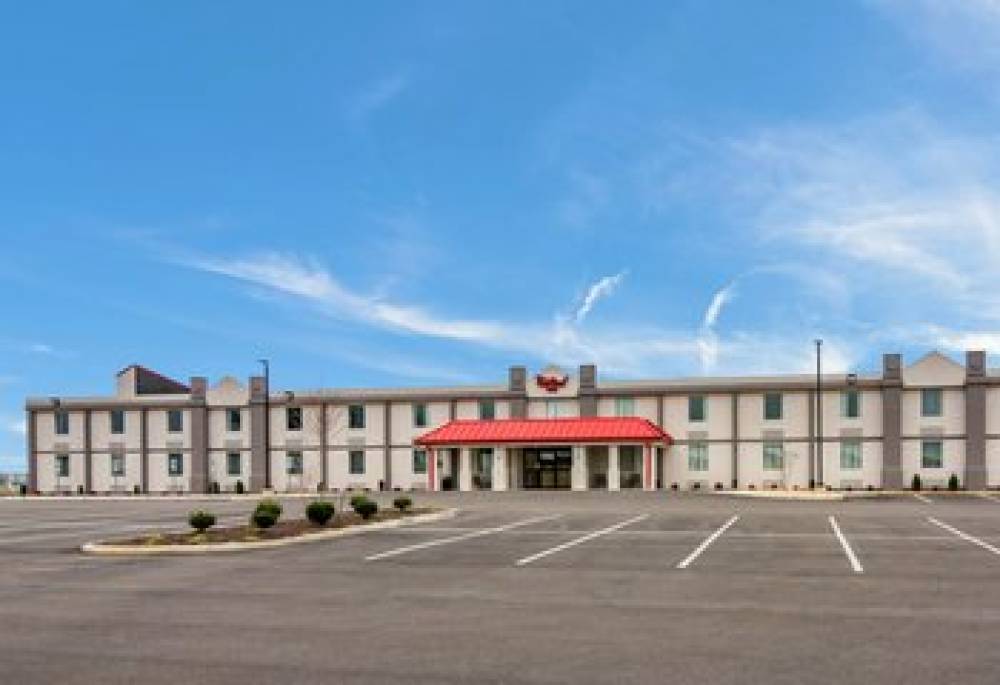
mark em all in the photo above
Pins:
pixel 551 379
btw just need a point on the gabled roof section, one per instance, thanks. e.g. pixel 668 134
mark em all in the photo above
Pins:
pixel 531 431
pixel 149 382
pixel 934 368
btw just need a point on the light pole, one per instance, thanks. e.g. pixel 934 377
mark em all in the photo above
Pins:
pixel 267 422
pixel 817 464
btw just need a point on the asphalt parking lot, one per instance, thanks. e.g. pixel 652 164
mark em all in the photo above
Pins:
pixel 519 588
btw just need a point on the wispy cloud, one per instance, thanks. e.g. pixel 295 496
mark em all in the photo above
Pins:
pixel 602 288
pixel 964 32
pixel 377 95
pixel 15 426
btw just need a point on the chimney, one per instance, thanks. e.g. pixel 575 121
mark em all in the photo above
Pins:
pixel 588 376
pixel 257 389
pixel 517 379
pixel 975 364
pixel 199 387
pixel 892 367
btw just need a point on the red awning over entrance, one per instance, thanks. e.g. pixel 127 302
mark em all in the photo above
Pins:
pixel 535 431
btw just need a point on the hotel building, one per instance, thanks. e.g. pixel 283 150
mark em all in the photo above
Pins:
pixel 934 417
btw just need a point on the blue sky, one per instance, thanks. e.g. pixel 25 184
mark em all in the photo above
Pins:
pixel 387 193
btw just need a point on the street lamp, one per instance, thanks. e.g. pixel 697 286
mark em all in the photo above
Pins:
pixel 817 464
pixel 267 422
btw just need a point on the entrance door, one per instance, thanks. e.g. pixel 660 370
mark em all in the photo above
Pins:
pixel 547 468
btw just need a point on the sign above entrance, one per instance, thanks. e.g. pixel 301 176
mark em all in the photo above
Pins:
pixel 552 379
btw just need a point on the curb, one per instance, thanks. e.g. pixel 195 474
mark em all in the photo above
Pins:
pixel 99 548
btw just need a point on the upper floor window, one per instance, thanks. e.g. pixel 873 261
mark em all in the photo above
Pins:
pixel 234 464
pixel 117 465
pixel 62 466
pixel 551 408
pixel 774 456
pixel 696 408
pixel 234 420
pixel 356 416
pixel 487 410
pixel 850 404
pixel 117 421
pixel 772 406
pixel 624 406
pixel 419 415
pixel 698 456
pixel 62 422
pixel 930 402
pixel 175 464
pixel 175 420
pixel 850 455
pixel 293 418
pixel 420 461
pixel 293 463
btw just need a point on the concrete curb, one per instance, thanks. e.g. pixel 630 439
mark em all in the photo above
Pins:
pixel 103 549
pixel 805 496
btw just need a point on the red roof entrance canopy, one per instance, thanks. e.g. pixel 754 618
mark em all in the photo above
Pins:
pixel 532 431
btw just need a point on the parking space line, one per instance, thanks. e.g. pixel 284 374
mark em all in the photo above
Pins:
pixel 458 538
pixel 580 540
pixel 855 564
pixel 706 542
pixel 925 500
pixel 986 495
pixel 965 536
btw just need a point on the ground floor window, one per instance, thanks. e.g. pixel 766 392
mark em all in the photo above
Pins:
pixel 420 461
pixel 482 468
pixel 234 464
pixel 774 457
pixel 293 463
pixel 931 454
pixel 698 456
pixel 547 467
pixel 175 464
pixel 850 455
pixel 629 467
pixel 357 462
pixel 117 465
pixel 62 466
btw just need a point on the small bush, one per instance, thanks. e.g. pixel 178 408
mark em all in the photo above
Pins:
pixel 953 482
pixel 366 509
pixel 239 487
pixel 718 486
pixel 136 490
pixel 356 499
pixel 402 503
pixel 271 505
pixel 263 518
pixel 915 484
pixel 215 487
pixel 201 520
pixel 319 512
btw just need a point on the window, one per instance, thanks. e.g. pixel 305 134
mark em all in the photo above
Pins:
pixel 772 406
pixel 774 457
pixel 629 467
pixel 931 454
pixel 356 416
pixel 117 465
pixel 62 466
pixel 234 420
pixel 175 464
pixel 930 402
pixel 234 464
pixel 552 408
pixel 175 421
pixel 117 421
pixel 696 408
pixel 420 461
pixel 293 418
pixel 293 463
pixel 850 404
pixel 850 455
pixel 487 410
pixel 698 456
pixel 62 422
pixel 419 415
pixel 624 406
pixel 357 462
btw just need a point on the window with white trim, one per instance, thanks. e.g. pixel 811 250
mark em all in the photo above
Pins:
pixel 117 465
pixel 62 466
pixel 698 456
pixel 175 464
pixel 624 406
pixel 850 455
pixel 850 404
pixel 356 465
pixel 774 456
pixel 420 461
pixel 931 454
pixel 293 463
pixel 234 464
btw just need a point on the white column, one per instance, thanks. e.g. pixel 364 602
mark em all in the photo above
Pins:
pixel 614 479
pixel 433 479
pixel 465 469
pixel 499 468
pixel 578 475
pixel 648 468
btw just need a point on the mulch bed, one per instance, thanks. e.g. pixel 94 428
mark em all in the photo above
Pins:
pixel 282 529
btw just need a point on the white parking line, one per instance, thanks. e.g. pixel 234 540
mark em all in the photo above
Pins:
pixel 986 495
pixel 855 564
pixel 925 500
pixel 458 538
pixel 708 541
pixel 965 536
pixel 580 540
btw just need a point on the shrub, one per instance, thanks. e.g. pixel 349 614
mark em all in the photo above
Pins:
pixel 718 486
pixel 356 499
pixel 915 485
pixel 366 509
pixel 319 512
pixel 263 518
pixel 135 490
pixel 215 487
pixel 953 482
pixel 271 505
pixel 239 487
pixel 201 520
pixel 402 503
pixel 24 490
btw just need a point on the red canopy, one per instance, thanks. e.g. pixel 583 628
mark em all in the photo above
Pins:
pixel 530 431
